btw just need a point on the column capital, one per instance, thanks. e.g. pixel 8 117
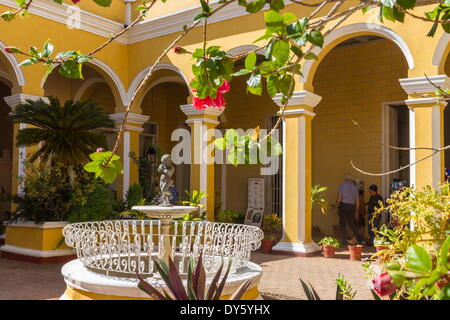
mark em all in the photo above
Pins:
pixel 134 120
pixel 19 98
pixel 422 85
pixel 300 98
pixel 425 102
pixel 208 115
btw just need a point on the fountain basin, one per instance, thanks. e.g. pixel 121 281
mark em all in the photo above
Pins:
pixel 162 212
pixel 83 284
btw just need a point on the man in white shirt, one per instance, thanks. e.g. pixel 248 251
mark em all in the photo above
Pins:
pixel 347 203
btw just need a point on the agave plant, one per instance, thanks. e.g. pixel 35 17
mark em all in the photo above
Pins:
pixel 63 131
pixel 195 283
pixel 344 290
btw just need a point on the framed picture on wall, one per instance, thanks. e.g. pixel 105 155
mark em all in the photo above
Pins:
pixel 254 217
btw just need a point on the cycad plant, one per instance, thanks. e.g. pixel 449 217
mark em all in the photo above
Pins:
pixel 195 283
pixel 61 131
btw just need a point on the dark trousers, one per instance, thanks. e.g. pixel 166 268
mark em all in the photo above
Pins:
pixel 373 224
pixel 347 216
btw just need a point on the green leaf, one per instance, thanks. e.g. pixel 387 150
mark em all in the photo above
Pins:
pixel 316 38
pixel 310 56
pixel 250 61
pixel 254 84
pixel 103 3
pixel 289 17
pixel 407 4
pixel 241 72
pixel 274 21
pixel 444 253
pixel 255 6
pixel 417 259
pixel 71 69
pixel 280 52
pixel 277 5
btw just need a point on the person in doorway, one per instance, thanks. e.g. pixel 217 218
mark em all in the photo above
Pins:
pixel 372 205
pixel 347 203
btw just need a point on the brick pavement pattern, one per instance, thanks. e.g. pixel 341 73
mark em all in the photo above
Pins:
pixel 280 280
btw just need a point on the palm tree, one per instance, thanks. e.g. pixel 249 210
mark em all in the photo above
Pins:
pixel 63 133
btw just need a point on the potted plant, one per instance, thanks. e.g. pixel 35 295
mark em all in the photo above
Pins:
pixel 329 245
pixel 267 243
pixel 272 224
pixel 355 249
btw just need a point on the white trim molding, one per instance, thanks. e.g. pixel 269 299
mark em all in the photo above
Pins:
pixel 19 98
pixel 44 225
pixel 296 247
pixel 303 97
pixel 133 118
pixel 37 253
pixel 369 28
pixel 422 85
pixel 438 56
pixel 421 101
pixel 190 110
pixel 60 13
pixel 14 64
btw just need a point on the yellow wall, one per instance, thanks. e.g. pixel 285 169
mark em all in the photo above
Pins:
pixel 354 81
pixel 243 111
pixel 162 104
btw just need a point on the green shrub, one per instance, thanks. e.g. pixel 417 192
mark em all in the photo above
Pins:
pixel 134 195
pixel 96 205
pixel 229 216
pixel 47 194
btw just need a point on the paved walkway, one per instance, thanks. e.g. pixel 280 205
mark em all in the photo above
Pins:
pixel 23 280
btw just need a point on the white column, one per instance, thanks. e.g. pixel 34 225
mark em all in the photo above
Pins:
pixel 128 5
pixel 133 125
pixel 13 101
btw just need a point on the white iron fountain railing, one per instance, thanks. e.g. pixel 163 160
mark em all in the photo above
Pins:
pixel 127 247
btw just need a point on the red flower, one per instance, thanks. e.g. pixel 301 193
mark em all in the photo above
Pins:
pixel 383 285
pixel 179 50
pixel 100 150
pixel 9 50
pixel 75 1
pixel 217 102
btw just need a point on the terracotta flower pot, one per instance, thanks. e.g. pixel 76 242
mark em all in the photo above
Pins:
pixel 266 246
pixel 355 252
pixel 328 251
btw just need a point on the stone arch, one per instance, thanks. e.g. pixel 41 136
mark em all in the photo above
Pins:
pixel 108 75
pixel 347 32
pixel 19 79
pixel 160 66
pixel 441 53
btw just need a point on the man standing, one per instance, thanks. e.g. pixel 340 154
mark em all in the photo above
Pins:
pixel 347 203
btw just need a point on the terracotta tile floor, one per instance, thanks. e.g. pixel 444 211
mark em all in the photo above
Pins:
pixel 22 280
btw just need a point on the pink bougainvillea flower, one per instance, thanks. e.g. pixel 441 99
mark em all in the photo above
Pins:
pixel 382 284
pixel 100 150
pixel 217 102
pixel 224 88
pixel 179 50
pixel 8 49
pixel 75 1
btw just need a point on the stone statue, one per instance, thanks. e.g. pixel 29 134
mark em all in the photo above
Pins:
pixel 167 169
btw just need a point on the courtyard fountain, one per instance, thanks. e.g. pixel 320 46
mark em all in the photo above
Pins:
pixel 111 253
